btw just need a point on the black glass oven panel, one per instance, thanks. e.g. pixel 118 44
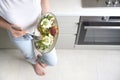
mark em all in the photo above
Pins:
pixel 99 36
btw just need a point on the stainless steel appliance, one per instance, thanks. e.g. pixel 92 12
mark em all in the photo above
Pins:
pixel 98 30
pixel 100 3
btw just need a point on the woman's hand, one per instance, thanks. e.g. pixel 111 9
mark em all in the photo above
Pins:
pixel 17 31
pixel 14 29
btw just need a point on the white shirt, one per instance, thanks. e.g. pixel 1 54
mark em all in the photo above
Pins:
pixel 23 13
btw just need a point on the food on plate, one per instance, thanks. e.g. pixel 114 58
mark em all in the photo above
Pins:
pixel 48 29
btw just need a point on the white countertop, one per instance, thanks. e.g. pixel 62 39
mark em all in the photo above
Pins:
pixel 73 8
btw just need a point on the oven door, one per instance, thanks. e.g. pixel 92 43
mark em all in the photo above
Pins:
pixel 96 32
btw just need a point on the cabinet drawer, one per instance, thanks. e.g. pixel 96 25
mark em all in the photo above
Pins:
pixel 4 40
pixel 68 18
pixel 69 28
pixel 65 41
pixel 68 24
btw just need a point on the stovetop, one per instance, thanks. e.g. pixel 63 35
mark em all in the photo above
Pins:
pixel 100 3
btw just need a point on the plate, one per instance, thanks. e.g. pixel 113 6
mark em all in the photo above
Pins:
pixel 48 29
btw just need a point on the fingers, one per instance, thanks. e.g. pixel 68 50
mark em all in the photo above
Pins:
pixel 27 31
pixel 15 27
pixel 17 34
pixel 18 31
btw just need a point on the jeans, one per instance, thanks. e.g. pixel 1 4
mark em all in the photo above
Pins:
pixel 26 46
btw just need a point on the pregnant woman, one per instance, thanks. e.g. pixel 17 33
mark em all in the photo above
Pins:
pixel 23 15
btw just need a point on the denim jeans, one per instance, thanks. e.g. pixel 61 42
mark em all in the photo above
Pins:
pixel 25 45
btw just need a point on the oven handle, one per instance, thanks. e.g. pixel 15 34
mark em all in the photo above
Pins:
pixel 101 27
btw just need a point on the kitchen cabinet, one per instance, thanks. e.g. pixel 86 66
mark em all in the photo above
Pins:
pixel 68 30
pixel 4 40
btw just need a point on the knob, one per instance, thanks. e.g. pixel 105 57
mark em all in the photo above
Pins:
pixel 116 2
pixel 105 18
pixel 108 3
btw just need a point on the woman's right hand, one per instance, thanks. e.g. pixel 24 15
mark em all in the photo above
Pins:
pixel 17 31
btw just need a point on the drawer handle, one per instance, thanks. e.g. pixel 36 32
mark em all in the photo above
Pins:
pixel 102 27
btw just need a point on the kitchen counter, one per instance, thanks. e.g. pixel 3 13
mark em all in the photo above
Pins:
pixel 73 8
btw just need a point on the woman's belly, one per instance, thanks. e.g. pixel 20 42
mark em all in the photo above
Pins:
pixel 23 13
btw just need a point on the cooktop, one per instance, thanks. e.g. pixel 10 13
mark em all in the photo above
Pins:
pixel 100 3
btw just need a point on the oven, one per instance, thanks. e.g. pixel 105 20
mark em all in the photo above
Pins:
pixel 98 30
